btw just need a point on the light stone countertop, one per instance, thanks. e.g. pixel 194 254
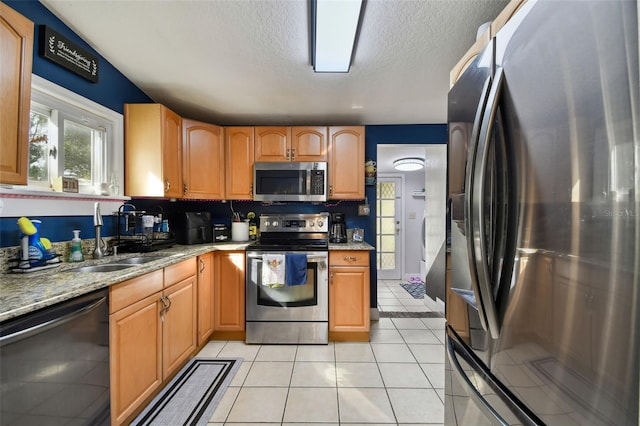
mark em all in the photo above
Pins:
pixel 351 245
pixel 23 293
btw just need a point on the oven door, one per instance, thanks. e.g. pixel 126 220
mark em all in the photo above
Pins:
pixel 305 302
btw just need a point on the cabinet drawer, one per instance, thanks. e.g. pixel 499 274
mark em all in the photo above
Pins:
pixel 179 271
pixel 127 292
pixel 348 258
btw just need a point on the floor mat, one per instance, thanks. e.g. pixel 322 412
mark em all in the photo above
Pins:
pixel 416 290
pixel 385 314
pixel 193 394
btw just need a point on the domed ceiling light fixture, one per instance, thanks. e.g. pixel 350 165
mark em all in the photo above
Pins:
pixel 408 164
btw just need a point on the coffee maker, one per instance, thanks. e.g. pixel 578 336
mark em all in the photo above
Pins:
pixel 338 229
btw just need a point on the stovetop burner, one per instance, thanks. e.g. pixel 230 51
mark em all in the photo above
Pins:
pixel 294 232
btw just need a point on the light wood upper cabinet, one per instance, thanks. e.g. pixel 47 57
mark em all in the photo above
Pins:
pixel 153 151
pixel 16 36
pixel 346 163
pixel 202 160
pixel 299 143
pixel 205 297
pixel 239 154
pixel 272 143
pixel 309 143
pixel 349 295
pixel 229 290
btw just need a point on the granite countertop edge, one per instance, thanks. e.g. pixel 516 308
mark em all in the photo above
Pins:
pixel 21 294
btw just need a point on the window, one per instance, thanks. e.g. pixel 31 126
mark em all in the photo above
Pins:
pixel 70 136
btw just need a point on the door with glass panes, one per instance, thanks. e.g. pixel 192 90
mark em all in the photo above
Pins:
pixel 388 236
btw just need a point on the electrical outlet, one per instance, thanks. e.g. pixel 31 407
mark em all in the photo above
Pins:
pixel 363 210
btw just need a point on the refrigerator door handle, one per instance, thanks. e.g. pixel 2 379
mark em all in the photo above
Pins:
pixel 478 237
pixel 472 391
pixel 468 203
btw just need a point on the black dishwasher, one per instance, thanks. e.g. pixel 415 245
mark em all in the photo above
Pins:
pixel 54 364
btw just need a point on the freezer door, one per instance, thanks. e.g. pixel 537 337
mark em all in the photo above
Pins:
pixel 473 396
pixel 569 108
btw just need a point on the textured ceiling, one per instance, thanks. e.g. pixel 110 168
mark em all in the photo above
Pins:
pixel 248 61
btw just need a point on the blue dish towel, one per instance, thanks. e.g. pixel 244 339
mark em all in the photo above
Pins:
pixel 295 265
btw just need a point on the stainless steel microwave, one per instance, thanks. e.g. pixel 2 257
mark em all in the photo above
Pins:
pixel 290 181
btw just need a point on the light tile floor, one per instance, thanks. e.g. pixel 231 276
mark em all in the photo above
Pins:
pixel 396 378
pixel 393 298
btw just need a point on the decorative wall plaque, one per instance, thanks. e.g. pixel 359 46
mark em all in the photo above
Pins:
pixel 64 52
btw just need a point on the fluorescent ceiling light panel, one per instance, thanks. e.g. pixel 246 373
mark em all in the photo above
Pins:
pixel 336 25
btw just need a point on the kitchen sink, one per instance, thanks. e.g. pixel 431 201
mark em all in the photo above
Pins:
pixel 135 260
pixel 101 268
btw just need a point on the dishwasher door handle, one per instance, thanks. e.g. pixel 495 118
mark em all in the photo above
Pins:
pixel 47 325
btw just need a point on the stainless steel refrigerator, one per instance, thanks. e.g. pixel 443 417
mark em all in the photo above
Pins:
pixel 542 304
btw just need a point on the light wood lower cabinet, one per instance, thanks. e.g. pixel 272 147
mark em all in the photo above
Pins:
pixel 152 332
pixel 229 290
pixel 205 297
pixel 349 295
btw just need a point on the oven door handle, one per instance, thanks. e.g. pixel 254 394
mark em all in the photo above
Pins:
pixel 310 259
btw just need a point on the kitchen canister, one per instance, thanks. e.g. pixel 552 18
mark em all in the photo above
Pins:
pixel 239 231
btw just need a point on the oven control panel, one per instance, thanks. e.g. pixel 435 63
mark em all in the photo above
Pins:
pixel 317 222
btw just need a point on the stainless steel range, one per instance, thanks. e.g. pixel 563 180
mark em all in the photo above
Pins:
pixel 287 281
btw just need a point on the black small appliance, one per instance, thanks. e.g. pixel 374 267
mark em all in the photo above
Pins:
pixel 338 228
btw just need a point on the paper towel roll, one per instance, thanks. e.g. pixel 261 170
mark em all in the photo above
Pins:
pixel 239 231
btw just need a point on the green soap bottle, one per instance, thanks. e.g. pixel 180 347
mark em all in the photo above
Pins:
pixel 76 248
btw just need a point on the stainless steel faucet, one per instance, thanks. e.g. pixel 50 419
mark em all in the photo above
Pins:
pixel 98 252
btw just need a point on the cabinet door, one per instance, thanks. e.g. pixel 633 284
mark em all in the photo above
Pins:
pixel 153 151
pixel 229 290
pixel 309 143
pixel 273 143
pixel 16 33
pixel 202 160
pixel 135 348
pixel 349 299
pixel 179 328
pixel 172 153
pixel 205 297
pixel 346 163
pixel 239 144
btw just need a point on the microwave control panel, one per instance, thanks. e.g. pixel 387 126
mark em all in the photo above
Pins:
pixel 317 182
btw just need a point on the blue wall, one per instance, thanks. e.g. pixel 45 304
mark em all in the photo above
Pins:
pixel 113 89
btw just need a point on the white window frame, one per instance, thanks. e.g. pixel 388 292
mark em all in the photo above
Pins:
pixel 19 200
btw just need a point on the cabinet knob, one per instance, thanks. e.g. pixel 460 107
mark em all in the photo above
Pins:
pixel 330 189
pixel 167 185
pixel 350 258
pixel 331 278
pixel 293 153
pixel 201 265
pixel 185 189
